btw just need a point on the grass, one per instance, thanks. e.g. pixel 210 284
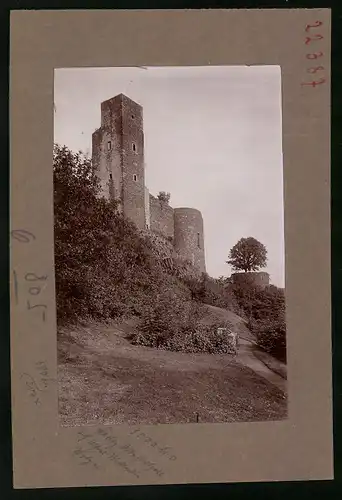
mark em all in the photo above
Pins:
pixel 105 379
pixel 271 362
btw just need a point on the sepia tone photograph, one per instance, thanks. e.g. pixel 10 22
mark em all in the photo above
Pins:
pixel 169 245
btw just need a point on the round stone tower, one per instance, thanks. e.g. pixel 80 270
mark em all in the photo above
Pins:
pixel 260 279
pixel 189 236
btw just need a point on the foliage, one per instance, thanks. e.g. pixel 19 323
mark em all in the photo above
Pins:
pixel 248 254
pixel 265 312
pixel 269 304
pixel 163 196
pixel 211 291
pixel 100 258
pixel 106 268
pixel 204 338
pixel 176 325
pixel 167 315
pixel 271 335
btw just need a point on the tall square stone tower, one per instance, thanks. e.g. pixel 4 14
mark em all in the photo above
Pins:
pixel 118 156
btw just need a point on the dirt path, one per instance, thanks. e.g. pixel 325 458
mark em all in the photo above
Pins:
pixel 246 357
pixel 246 354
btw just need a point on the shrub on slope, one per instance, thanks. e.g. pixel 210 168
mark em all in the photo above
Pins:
pixel 104 267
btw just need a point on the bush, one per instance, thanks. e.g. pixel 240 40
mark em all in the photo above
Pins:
pixel 104 267
pixel 203 338
pixel 174 324
pixel 211 291
pixel 167 315
pixel 265 311
pixel 271 336
pixel 164 197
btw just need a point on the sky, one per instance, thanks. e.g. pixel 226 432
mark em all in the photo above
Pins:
pixel 213 139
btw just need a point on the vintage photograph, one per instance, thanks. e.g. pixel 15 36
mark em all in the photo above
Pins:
pixel 169 245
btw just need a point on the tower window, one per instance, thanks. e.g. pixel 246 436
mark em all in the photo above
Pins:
pixel 132 116
pixel 134 147
pixel 111 177
pixel 198 240
pixel 109 145
pixel 135 178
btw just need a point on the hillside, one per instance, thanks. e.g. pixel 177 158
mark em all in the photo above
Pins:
pixel 103 378
pixel 238 323
pixel 107 268
pixel 171 361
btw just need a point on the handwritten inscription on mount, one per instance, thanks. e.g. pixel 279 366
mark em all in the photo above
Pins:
pixel 311 38
pixel 99 447
pixel 27 287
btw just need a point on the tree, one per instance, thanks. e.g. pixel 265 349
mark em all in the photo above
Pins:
pixel 248 254
pixel 164 197
pixel 100 257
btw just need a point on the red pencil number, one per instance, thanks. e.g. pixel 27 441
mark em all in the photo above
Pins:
pixel 317 24
pixel 314 37
pixel 314 84
pixel 315 55
pixel 314 70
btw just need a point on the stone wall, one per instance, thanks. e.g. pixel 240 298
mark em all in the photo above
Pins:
pixel 261 278
pixel 147 208
pixel 189 236
pixel 118 155
pixel 133 164
pixel 107 149
pixel 161 217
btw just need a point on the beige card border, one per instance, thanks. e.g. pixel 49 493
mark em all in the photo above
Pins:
pixel 298 448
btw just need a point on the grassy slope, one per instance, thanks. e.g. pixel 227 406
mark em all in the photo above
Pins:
pixel 238 323
pixel 104 379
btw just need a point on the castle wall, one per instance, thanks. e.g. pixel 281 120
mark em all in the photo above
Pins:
pixel 133 164
pixel 161 217
pixel 189 236
pixel 118 154
pixel 98 162
pixel 260 279
pixel 147 208
pixel 107 149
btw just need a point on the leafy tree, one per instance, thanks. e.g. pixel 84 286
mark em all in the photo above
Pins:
pixel 104 266
pixel 248 254
pixel 100 257
pixel 164 197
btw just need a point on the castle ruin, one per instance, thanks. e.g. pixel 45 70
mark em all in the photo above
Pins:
pixel 260 279
pixel 118 156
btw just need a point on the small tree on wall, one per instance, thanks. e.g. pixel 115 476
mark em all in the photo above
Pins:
pixel 248 254
pixel 165 197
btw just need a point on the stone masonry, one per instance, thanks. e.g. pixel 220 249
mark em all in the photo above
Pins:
pixel 118 155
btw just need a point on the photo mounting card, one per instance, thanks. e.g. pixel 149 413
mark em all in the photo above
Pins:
pixel 170 200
